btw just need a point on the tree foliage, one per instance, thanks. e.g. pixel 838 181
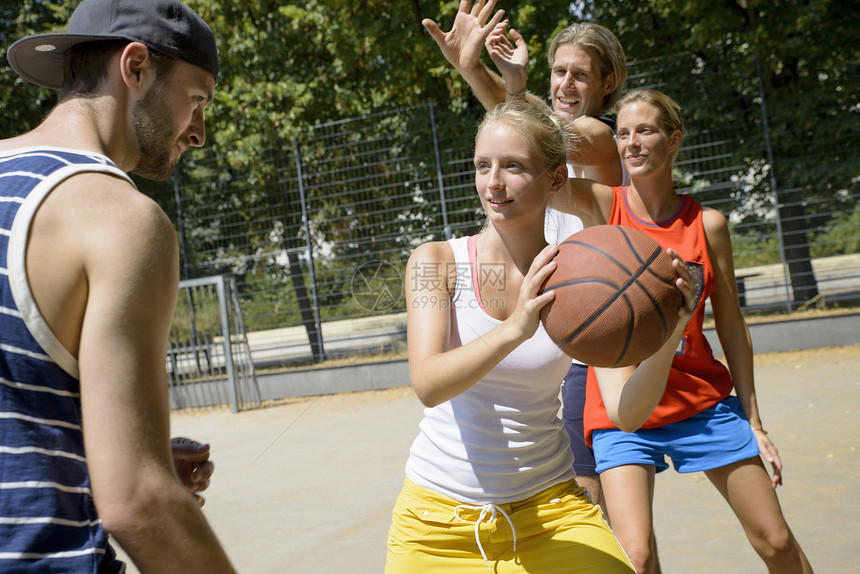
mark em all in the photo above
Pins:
pixel 287 66
pixel 23 105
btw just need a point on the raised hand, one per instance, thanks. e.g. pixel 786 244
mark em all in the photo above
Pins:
pixel 462 45
pixel 511 59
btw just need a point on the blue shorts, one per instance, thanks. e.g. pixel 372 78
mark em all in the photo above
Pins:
pixel 573 404
pixel 713 438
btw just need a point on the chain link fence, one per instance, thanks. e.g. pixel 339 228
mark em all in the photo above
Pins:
pixel 317 230
pixel 209 359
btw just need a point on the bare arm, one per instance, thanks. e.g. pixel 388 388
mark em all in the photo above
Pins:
pixel 587 199
pixel 733 332
pixel 596 153
pixel 438 372
pixel 462 47
pixel 631 393
pixel 121 251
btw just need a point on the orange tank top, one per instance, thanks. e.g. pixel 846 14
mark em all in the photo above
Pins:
pixel 697 381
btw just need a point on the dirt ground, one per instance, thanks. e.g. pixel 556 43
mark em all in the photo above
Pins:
pixel 307 485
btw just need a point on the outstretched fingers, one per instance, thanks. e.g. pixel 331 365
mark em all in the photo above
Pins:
pixel 481 10
pixel 511 59
pixel 498 42
pixel 491 25
pixel 463 43
pixel 517 37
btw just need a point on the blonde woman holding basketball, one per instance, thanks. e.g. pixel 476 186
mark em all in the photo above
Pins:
pixel 698 422
pixel 489 482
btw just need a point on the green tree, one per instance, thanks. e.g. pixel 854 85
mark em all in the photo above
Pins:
pixel 23 105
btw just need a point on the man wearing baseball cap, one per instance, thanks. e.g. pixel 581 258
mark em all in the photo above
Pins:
pixel 88 284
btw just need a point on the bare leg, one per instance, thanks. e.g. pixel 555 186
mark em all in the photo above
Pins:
pixel 591 483
pixel 629 492
pixel 746 487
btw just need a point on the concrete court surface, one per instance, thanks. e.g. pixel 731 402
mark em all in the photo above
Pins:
pixel 307 486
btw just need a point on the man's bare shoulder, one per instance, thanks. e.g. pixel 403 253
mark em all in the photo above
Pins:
pixel 16 142
pixel 96 237
pixel 109 193
pixel 108 212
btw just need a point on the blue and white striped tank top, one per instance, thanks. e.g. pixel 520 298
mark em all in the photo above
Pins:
pixel 48 522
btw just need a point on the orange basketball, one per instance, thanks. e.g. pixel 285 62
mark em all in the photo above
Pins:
pixel 615 297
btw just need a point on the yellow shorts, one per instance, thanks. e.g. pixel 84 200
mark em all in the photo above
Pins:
pixel 555 531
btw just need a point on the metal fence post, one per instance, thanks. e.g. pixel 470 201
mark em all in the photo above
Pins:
pixel 240 328
pixel 773 192
pixel 319 352
pixel 439 178
pixel 228 344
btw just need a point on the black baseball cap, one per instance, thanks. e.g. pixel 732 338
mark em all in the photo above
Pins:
pixel 166 26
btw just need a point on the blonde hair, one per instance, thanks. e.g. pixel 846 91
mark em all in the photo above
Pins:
pixel 602 43
pixel 670 111
pixel 536 121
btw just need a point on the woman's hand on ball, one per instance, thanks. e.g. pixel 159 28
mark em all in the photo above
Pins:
pixel 685 284
pixel 531 300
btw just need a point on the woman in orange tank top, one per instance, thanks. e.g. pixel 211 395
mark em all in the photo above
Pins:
pixel 698 422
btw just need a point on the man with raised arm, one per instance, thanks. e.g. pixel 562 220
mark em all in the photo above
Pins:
pixel 588 73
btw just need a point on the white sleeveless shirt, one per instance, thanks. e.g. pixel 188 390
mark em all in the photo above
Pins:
pixel 500 441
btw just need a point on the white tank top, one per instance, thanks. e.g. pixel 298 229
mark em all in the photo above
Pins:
pixel 500 441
